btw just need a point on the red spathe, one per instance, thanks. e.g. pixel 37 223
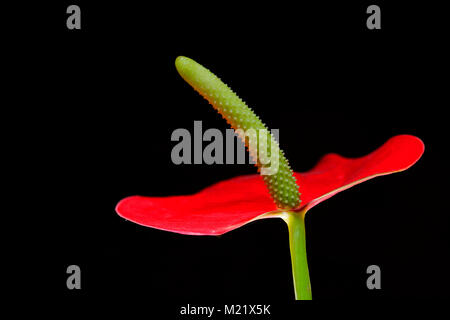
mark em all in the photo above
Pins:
pixel 229 204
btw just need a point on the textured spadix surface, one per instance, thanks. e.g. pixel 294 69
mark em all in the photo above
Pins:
pixel 230 204
pixel 281 183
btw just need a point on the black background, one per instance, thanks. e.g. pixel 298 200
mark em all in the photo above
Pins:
pixel 101 103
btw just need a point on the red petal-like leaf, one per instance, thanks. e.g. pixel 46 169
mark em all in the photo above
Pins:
pixel 230 204
pixel 334 173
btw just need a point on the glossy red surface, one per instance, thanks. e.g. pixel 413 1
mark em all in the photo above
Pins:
pixel 229 204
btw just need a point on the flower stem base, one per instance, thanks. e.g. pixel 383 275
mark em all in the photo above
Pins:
pixel 297 244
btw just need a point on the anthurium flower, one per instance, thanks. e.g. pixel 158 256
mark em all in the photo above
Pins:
pixel 232 203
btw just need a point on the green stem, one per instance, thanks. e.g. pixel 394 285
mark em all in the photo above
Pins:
pixel 297 243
